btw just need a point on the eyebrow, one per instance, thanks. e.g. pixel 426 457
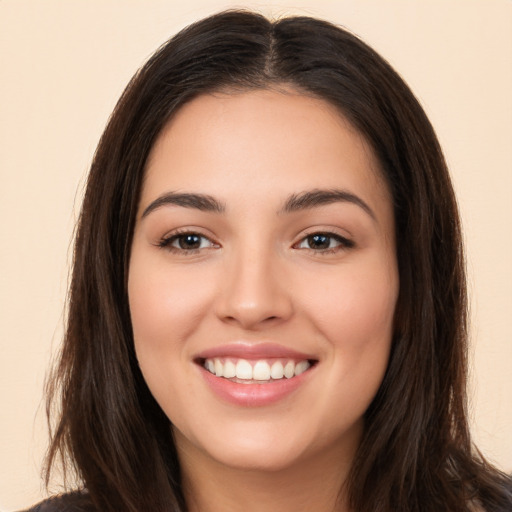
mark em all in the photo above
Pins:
pixel 318 197
pixel 201 202
pixel 296 202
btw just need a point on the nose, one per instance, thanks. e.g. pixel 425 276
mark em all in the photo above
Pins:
pixel 255 292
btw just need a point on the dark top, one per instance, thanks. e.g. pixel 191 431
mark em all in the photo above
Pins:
pixel 77 501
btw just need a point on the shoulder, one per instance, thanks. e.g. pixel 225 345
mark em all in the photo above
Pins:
pixel 77 501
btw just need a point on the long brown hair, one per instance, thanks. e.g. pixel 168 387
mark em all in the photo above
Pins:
pixel 416 453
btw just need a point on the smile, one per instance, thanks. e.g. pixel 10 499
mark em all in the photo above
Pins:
pixel 255 375
pixel 260 371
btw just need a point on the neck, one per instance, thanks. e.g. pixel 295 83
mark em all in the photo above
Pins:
pixel 311 484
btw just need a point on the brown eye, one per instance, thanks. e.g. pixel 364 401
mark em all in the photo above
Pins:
pixel 318 241
pixel 188 241
pixel 324 242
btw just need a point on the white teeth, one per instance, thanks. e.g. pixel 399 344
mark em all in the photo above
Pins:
pixel 261 371
pixel 301 367
pixel 289 369
pixel 243 370
pixel 229 370
pixel 277 370
pixel 219 369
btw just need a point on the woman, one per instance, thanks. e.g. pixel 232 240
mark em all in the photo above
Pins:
pixel 268 302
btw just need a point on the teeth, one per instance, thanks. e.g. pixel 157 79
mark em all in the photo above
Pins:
pixel 301 367
pixel 219 369
pixel 277 370
pixel 289 369
pixel 229 370
pixel 259 370
pixel 243 369
pixel 210 366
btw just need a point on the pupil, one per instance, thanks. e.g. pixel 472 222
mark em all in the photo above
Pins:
pixel 319 241
pixel 189 242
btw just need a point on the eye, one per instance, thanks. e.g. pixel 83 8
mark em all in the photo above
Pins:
pixel 324 242
pixel 186 242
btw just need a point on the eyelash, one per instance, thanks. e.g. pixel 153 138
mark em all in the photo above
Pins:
pixel 167 241
pixel 343 243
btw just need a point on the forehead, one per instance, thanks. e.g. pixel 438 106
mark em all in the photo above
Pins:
pixel 265 142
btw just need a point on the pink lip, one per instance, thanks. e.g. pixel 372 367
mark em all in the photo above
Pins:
pixel 244 350
pixel 254 394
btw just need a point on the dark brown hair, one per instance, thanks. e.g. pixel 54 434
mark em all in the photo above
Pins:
pixel 416 452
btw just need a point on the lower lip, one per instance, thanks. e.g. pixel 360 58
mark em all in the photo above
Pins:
pixel 254 395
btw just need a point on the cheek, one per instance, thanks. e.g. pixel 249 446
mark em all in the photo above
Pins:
pixel 166 309
pixel 356 320
pixel 354 312
pixel 165 306
pixel 358 305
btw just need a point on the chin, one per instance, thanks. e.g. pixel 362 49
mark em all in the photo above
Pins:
pixel 269 460
pixel 244 445
pixel 268 447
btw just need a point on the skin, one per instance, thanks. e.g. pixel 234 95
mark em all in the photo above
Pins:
pixel 257 277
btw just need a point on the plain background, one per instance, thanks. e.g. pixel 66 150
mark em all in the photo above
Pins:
pixel 63 66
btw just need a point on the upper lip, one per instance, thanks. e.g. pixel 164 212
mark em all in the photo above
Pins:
pixel 242 350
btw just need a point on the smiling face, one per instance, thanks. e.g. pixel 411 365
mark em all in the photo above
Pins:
pixel 263 280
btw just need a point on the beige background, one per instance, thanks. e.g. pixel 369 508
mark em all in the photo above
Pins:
pixel 64 64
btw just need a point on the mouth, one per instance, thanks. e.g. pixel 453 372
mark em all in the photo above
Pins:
pixel 254 375
pixel 256 371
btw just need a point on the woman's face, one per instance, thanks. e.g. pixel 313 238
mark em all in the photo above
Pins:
pixel 263 279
